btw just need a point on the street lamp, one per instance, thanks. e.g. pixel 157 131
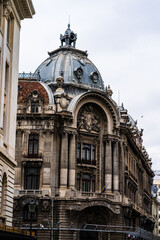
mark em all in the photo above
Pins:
pixel 31 206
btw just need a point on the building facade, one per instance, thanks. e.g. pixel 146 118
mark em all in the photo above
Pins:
pixel 79 155
pixel 11 14
pixel 156 193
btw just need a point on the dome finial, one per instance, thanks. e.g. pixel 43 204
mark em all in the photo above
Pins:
pixel 69 37
pixel 69 23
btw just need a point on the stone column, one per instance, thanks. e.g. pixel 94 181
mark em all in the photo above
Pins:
pixel 25 137
pixel 115 167
pixel 41 142
pixel 72 161
pixel 108 166
pixel 64 161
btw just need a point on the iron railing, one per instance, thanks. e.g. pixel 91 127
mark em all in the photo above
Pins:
pixel 33 76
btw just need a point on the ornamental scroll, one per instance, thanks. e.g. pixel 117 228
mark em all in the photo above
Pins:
pixel 88 119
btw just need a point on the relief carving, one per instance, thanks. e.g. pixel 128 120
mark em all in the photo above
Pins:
pixel 61 98
pixel 89 120
pixel 46 207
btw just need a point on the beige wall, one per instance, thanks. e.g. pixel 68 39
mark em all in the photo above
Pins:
pixel 10 15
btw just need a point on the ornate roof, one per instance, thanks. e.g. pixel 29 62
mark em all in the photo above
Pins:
pixel 26 88
pixel 70 63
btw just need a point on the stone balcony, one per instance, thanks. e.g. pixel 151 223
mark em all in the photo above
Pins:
pixel 31 192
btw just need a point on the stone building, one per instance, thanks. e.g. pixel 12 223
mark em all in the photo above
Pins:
pixel 156 194
pixel 79 155
pixel 11 14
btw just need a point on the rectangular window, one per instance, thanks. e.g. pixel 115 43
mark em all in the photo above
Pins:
pixel 31 177
pixel 86 183
pixel 33 145
pixel 93 152
pixel 93 184
pixel 78 182
pixel 86 154
pixel 34 107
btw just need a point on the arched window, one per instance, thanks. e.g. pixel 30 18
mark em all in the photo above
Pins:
pixel 3 194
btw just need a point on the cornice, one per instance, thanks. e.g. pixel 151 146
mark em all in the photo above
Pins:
pixel 24 8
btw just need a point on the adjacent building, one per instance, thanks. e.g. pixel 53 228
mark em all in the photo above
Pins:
pixel 79 155
pixel 156 193
pixel 11 14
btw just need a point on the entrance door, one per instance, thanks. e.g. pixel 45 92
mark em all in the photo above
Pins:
pixel 84 235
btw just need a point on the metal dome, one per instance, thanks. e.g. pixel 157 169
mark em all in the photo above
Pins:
pixel 70 63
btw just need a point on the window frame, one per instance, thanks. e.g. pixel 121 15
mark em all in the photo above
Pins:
pixel 31 177
pixel 33 145
pixel 34 106
pixel 86 153
pixel 86 182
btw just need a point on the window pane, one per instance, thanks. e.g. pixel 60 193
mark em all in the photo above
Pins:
pixel 87 186
pixel 86 153
pixel 86 176
pixel 35 147
pixel 78 184
pixel 33 144
pixel 30 147
pixel 93 185
pixel 78 151
pixel 34 107
pixel 83 154
pixel 93 153
pixel 83 185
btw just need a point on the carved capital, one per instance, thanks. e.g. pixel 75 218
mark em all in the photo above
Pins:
pixel 7 9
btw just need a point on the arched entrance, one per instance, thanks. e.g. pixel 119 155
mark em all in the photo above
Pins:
pixel 88 235
pixel 96 215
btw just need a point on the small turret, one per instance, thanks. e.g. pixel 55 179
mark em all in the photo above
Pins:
pixel 69 38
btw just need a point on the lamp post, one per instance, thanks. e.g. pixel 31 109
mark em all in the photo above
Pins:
pixel 74 236
pixel 58 226
pixel 52 201
pixel 31 209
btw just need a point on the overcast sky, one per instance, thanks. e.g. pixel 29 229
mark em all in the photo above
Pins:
pixel 122 38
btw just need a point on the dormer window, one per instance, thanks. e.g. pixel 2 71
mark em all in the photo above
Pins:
pixel 34 106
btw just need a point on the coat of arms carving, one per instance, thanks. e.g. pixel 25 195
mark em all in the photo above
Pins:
pixel 88 119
